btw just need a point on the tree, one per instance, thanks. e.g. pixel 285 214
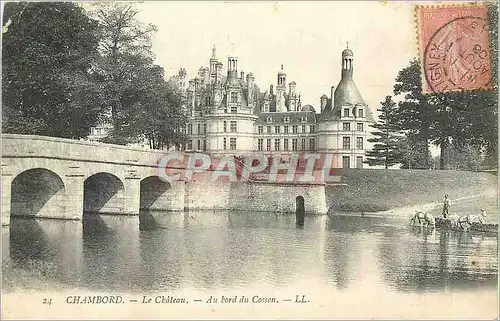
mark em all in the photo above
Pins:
pixel 413 154
pixel 414 112
pixel 155 113
pixel 125 47
pixel 462 158
pixel 387 148
pixel 48 84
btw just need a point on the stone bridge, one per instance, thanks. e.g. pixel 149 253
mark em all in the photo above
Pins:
pixel 47 177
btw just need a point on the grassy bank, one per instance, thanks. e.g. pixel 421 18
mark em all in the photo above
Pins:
pixel 379 190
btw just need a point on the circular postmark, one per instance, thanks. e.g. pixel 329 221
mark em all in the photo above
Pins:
pixel 457 56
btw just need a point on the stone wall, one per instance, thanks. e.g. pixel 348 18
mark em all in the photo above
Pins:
pixel 281 198
pixel 202 194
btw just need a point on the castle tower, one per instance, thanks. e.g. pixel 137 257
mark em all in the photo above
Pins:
pixel 323 101
pixel 281 80
pixel 281 91
pixel 347 94
pixel 250 88
pixel 232 71
pixel 213 63
pixel 293 97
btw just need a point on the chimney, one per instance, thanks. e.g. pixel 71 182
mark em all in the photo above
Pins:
pixel 271 89
pixel 242 75
pixel 332 90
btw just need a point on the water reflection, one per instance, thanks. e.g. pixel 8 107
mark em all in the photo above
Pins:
pixel 161 251
pixel 51 247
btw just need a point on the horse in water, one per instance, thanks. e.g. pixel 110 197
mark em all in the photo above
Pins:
pixel 465 221
pixel 422 219
pixel 454 220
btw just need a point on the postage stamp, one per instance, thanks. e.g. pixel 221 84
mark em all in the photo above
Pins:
pixel 454 47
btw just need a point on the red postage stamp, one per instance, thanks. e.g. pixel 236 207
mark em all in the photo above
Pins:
pixel 454 48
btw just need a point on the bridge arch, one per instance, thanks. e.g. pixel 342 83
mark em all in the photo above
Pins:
pixel 103 193
pixel 154 194
pixel 37 192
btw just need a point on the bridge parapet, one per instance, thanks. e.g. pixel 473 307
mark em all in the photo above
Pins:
pixel 14 145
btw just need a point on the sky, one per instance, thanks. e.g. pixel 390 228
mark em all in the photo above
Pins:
pixel 307 37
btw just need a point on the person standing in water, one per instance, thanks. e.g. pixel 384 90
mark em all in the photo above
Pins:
pixel 446 205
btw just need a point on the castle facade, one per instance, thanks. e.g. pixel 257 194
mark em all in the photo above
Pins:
pixel 228 114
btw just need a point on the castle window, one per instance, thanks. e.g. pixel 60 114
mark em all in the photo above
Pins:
pixel 224 143
pixel 260 144
pixel 303 144
pixel 294 144
pixel 360 127
pixel 312 144
pixel 277 144
pixel 277 129
pixel 285 144
pixel 295 129
pixel 225 110
pixel 269 119
pixel 232 143
pixel 233 126
pixel 346 142
pixel 285 129
pixel 225 127
pixel 303 119
pixel 269 129
pixel 359 142
pixel 190 129
pixel 207 101
pixel 304 129
pixel 360 113
pixel 234 97
pixel 268 144
pixel 312 129
pixel 260 129
pixel 204 144
pixel 199 144
pixel 204 128
pixel 190 145
pixel 199 130
pixel 346 112
pixel 234 109
pixel 346 126
pixel 359 162
pixel 286 119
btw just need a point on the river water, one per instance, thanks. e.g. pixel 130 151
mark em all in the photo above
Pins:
pixel 232 251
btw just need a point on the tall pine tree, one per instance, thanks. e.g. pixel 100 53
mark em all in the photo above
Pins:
pixel 387 148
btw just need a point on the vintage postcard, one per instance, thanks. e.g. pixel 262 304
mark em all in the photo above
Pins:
pixel 249 160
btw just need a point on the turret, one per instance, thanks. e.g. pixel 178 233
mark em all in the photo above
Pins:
pixel 218 72
pixel 281 79
pixel 232 71
pixel 346 93
pixel 213 63
pixel 323 101
pixel 291 87
pixel 347 60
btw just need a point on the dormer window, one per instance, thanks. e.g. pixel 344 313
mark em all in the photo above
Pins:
pixel 234 97
pixel 286 119
pixel 303 119
pixel 360 113
pixel 269 119
pixel 346 112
